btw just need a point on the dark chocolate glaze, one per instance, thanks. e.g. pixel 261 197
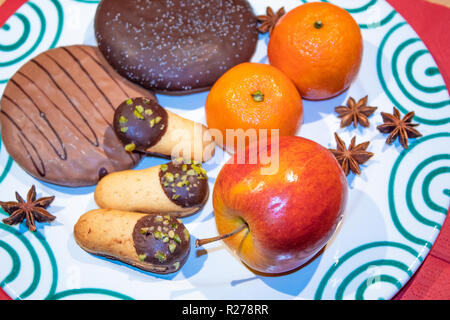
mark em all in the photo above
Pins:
pixel 57 113
pixel 162 242
pixel 186 184
pixel 175 46
pixel 102 172
pixel 141 122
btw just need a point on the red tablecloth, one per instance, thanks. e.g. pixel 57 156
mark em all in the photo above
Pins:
pixel 431 22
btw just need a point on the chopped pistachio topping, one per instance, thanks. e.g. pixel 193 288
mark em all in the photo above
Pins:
pixel 158 119
pixel 164 167
pixel 191 172
pixel 175 196
pixel 167 217
pixel 172 247
pixel 123 119
pixel 152 122
pixel 179 220
pixel 169 177
pixel 149 112
pixel 173 226
pixel 124 129
pixel 166 222
pixel 158 218
pixel 138 115
pixel 157 234
pixel 130 147
pixel 146 101
pixel 178 160
pixel 197 169
pixel 139 108
pixel 177 238
pixel 142 257
pixel 166 239
pixel 143 230
pixel 160 256
pixel 130 101
pixel 184 167
pixel 186 234
pixel 171 234
pixel 176 265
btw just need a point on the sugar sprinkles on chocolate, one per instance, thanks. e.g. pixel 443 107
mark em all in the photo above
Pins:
pixel 175 46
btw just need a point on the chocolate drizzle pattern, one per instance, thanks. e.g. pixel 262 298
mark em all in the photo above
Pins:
pixel 94 143
pixel 56 116
pixel 67 73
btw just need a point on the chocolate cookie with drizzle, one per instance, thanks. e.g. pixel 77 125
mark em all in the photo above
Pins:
pixel 179 188
pixel 57 116
pixel 156 243
pixel 144 126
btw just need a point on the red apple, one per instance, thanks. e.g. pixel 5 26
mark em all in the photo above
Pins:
pixel 283 219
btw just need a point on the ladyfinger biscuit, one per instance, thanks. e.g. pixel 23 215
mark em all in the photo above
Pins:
pixel 143 125
pixel 155 243
pixel 178 188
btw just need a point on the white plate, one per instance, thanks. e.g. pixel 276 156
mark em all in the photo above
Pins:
pixel 394 213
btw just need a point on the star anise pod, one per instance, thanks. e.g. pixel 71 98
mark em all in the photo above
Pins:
pixel 355 112
pixel 30 210
pixel 269 20
pixel 398 127
pixel 351 158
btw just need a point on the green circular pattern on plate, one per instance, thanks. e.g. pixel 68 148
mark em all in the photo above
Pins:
pixel 362 7
pixel 412 178
pixel 39 23
pixel 403 263
pixel 5 170
pixel 34 257
pixel 353 273
pixel 37 268
pixel 425 90
pixel 88 1
pixel 90 291
pixel 15 263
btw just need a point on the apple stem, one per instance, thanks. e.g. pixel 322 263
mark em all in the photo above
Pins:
pixel 201 242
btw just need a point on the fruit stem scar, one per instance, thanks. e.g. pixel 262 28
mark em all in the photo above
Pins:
pixel 258 96
pixel 201 242
pixel 318 24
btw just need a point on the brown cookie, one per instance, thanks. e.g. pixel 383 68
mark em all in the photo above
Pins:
pixel 57 113
pixel 176 188
pixel 155 243
pixel 175 46
pixel 145 126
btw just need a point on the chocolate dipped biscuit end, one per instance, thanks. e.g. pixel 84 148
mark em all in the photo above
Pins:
pixel 143 125
pixel 154 243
